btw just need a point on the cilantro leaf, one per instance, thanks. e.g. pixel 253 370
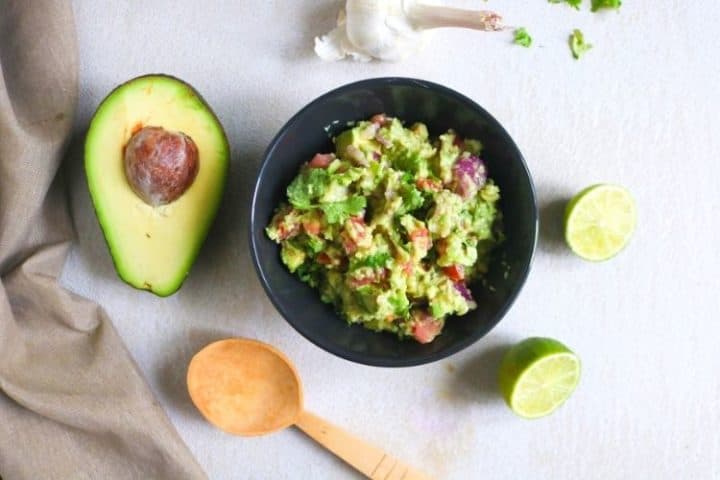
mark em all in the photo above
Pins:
pixel 307 186
pixel 573 3
pixel 373 261
pixel 577 44
pixel 412 198
pixel 338 212
pixel 400 304
pixel 309 273
pixel 611 4
pixel 522 37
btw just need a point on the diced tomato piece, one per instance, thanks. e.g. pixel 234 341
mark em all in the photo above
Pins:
pixel 420 238
pixel 312 226
pixel 348 244
pixel 324 259
pixel 321 160
pixel 285 232
pixel 456 273
pixel 425 328
pixel 408 268
pixel 355 234
pixel 429 184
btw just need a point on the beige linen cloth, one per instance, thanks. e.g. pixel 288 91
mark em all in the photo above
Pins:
pixel 73 404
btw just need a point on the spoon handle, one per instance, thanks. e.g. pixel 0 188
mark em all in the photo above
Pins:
pixel 368 459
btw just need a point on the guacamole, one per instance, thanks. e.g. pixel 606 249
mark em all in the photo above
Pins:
pixel 392 226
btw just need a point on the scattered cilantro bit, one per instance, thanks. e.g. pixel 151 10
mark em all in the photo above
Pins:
pixel 412 198
pixel 306 187
pixel 611 4
pixel 373 261
pixel 309 273
pixel 338 212
pixel 315 244
pixel 573 3
pixel 522 37
pixel 577 44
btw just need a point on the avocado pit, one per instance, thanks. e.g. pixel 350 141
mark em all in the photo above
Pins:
pixel 160 165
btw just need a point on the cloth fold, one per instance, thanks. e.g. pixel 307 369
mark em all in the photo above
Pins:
pixel 73 404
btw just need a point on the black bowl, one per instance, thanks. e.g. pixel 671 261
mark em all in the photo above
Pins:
pixel 440 108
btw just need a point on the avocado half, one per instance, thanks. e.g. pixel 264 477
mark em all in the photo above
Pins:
pixel 154 246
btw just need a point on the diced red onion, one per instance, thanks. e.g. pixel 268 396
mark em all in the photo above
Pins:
pixel 465 292
pixel 469 175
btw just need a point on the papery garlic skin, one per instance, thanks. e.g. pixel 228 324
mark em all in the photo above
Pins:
pixel 371 29
pixel 335 45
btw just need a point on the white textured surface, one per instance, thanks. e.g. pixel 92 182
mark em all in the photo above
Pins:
pixel 640 109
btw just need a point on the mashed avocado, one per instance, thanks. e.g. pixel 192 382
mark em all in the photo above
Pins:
pixel 392 226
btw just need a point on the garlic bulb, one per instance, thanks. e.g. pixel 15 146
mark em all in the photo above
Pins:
pixel 393 29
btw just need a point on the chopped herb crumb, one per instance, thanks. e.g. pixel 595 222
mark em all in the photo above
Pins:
pixel 577 44
pixel 610 4
pixel 573 3
pixel 522 37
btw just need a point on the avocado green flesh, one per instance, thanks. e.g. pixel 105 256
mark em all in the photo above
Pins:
pixel 384 227
pixel 153 248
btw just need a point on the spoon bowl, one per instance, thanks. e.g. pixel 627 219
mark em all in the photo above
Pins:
pixel 248 388
pixel 245 387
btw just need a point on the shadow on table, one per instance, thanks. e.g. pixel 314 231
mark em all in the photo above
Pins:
pixel 316 20
pixel 552 215
pixel 475 381
pixel 171 376
pixel 89 245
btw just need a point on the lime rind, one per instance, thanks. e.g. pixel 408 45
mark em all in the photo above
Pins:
pixel 547 391
pixel 537 376
pixel 600 221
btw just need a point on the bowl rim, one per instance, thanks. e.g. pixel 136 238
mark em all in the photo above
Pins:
pixel 362 358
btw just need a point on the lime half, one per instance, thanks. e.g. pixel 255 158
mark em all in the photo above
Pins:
pixel 599 221
pixel 537 375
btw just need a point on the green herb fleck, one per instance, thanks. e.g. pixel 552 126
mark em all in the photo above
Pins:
pixel 522 37
pixel 306 187
pixel 378 260
pixel 610 4
pixel 577 44
pixel 573 3
pixel 338 212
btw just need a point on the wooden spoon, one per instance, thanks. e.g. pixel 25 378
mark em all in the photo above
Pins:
pixel 248 388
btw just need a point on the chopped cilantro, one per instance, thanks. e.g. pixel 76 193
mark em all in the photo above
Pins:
pixel 338 212
pixel 400 304
pixel 412 198
pixel 304 191
pixel 306 187
pixel 373 261
pixel 573 3
pixel 308 273
pixel 611 4
pixel 577 44
pixel 315 244
pixel 522 37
